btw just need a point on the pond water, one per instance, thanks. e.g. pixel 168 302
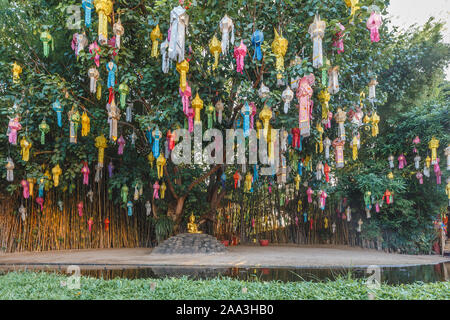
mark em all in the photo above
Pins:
pixel 390 275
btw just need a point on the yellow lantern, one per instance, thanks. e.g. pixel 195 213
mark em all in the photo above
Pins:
pixel 297 180
pixel 265 115
pixel 183 68
pixel 375 119
pixel 100 144
pixel 56 171
pixel 258 127
pixel 16 70
pixel 215 47
pixel 197 105
pixel 320 143
pixel 279 48
pixel 31 182
pixel 390 175
pixel 160 163
pixel 85 124
pixel 324 97
pixel 26 146
pixel 104 9
pixel 353 5
pixel 150 159
pixel 433 145
pixel 163 190
pixel 155 35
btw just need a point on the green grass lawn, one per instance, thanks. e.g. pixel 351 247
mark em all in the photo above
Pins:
pixel 30 285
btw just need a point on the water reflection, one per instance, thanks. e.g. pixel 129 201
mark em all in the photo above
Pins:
pixel 390 275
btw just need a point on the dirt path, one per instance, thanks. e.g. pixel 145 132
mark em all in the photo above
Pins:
pixel 240 256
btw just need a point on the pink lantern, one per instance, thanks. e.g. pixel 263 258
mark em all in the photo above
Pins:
pixel 80 208
pixel 373 24
pixel 14 126
pixel 121 141
pixel 304 94
pixel 239 55
pixel 339 38
pixel 185 95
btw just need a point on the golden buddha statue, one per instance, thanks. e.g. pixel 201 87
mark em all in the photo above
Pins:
pixel 192 226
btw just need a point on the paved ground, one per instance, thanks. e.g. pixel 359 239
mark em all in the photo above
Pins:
pixel 239 256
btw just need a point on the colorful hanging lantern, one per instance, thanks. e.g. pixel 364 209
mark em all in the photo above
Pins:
pixel 150 159
pixel 155 190
pixel 80 208
pixel 338 41
pixel 317 32
pixel 85 124
pixel 433 145
pixel 124 193
pixel 165 61
pixel 156 138
pixel 163 190
pixel 309 193
pixel 263 91
pixel 46 38
pixel 74 120
pixel 219 110
pixel 375 119
pixel 265 115
pixel 107 224
pixel 319 171
pixel 322 199
pixel 185 95
pixel 14 126
pixel 401 161
pixel 114 117
pixel 257 39
pixel 183 68
pixel 90 223
pixel 320 132
pixel 26 188
pixel 372 89
pixel 26 146
pixel 31 182
pixel 297 180
pixel 16 71
pixel 9 169
pixel 373 24
pixel 304 93
pixel 355 144
pixel 104 8
pixel 148 208
pixel 111 67
pixel 197 105
pixel 40 202
pixel 437 171
pixel 130 208
pixel 338 145
pixel 85 171
pixel 215 49
pixel 248 182
pixel 447 153
pixel 94 49
pixel 333 80
pixel 179 21
pixel 23 212
pixel 171 137
pixel 389 197
pixel 121 142
pixel 100 144
pixel 93 76
pixel 226 27
pixel 353 5
pixel 211 114
pixel 123 90
pixel 160 163
pixel 416 162
pixel 324 97
pixel 326 171
pixel 239 54
pixel 279 48
pixel 111 169
pixel 56 172
pixel 419 177
pixel 287 97
pixel 327 144
pixel 155 35
pixel 340 117
pixel 88 6
pixel 118 32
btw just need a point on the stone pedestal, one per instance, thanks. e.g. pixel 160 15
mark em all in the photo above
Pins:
pixel 190 243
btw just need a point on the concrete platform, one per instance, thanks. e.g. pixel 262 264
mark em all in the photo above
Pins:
pixel 238 256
